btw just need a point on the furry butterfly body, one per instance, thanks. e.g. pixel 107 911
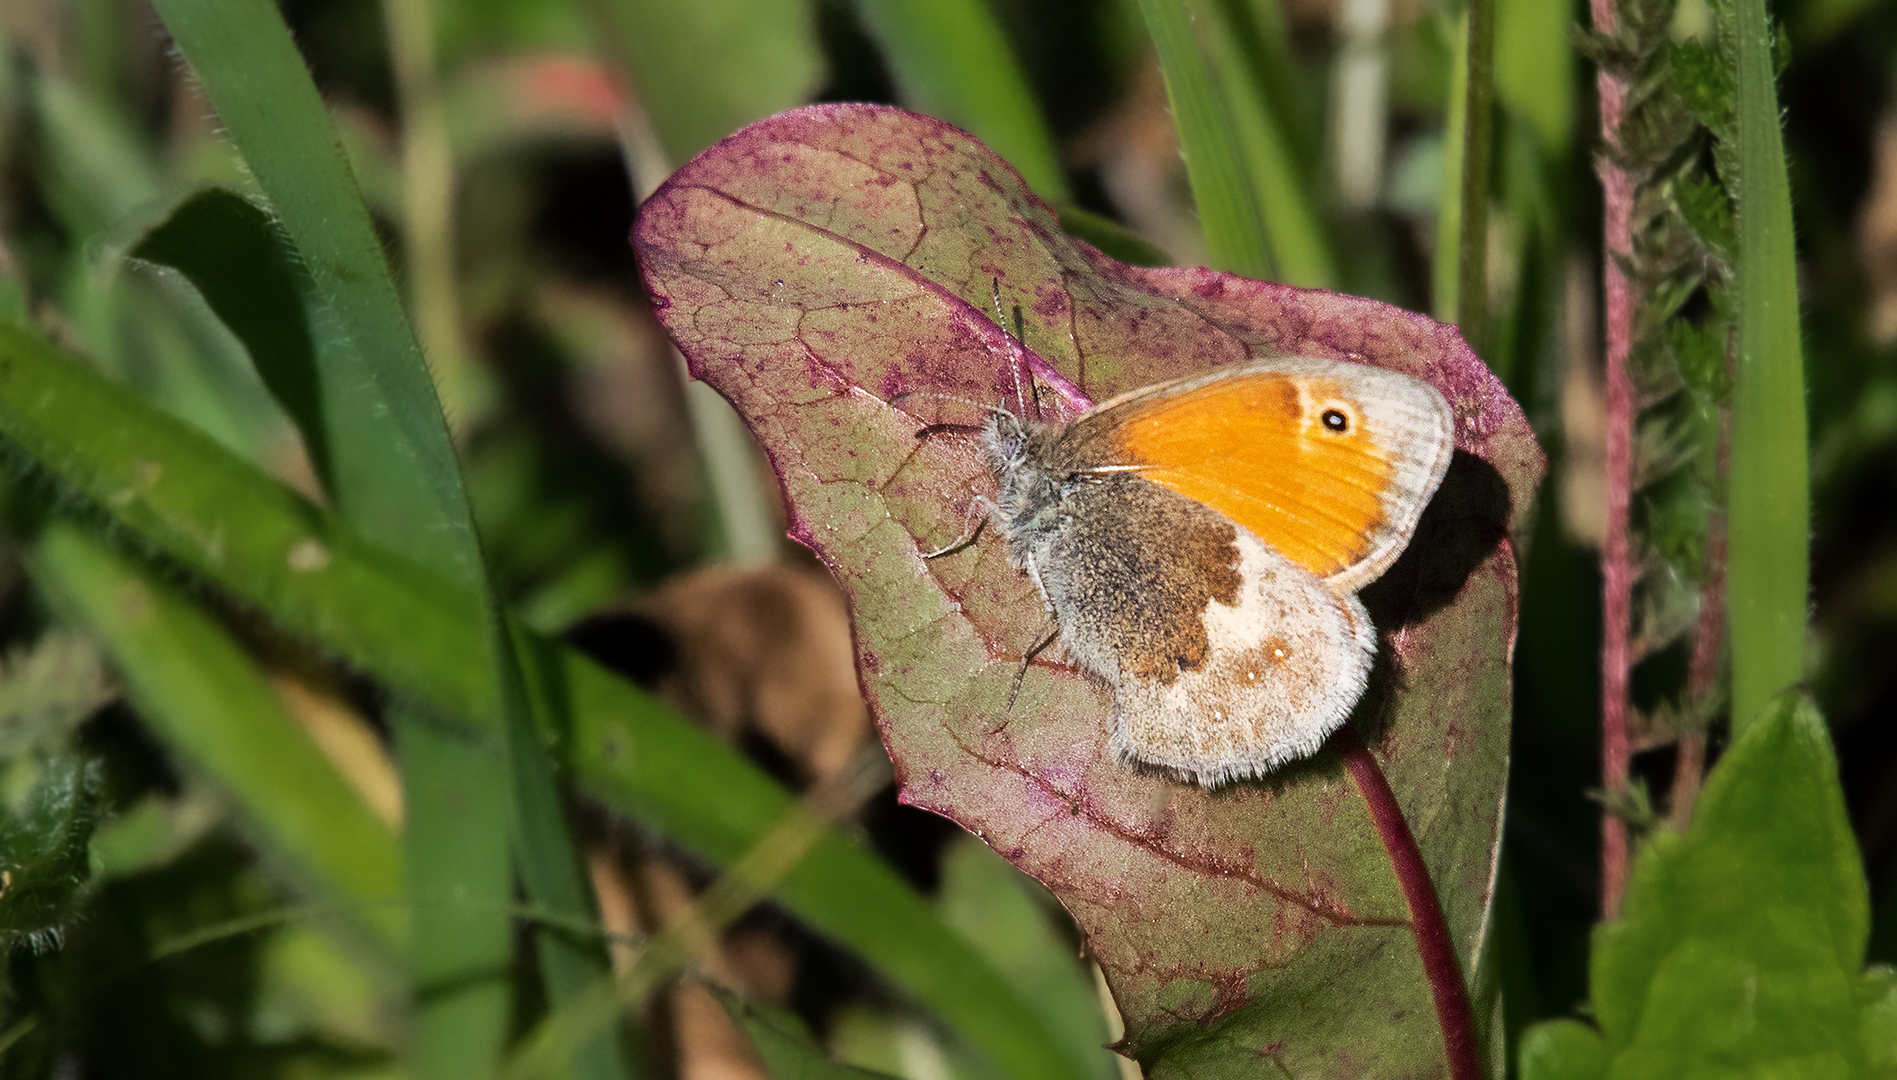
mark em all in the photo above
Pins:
pixel 1200 544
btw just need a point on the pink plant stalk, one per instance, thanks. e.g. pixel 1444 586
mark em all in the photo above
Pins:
pixel 1433 940
pixel 1617 573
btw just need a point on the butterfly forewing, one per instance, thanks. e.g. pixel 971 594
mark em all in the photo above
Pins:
pixel 1330 471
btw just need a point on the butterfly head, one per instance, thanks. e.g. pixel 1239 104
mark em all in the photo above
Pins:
pixel 1028 480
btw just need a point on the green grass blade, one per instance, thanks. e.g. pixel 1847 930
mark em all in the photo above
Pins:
pixel 1300 248
pixel 96 169
pixel 228 248
pixel 254 77
pixel 365 449
pixel 460 880
pixel 412 630
pixel 1111 237
pixel 788 1050
pixel 1459 268
pixel 546 857
pixel 1534 69
pixel 1768 565
pixel 206 697
pixel 950 59
pixel 1006 913
pixel 1221 188
pixel 102 178
pixel 1446 260
pixel 1283 83
pixel 1478 137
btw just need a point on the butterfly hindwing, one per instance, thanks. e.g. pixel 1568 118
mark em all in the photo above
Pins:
pixel 1288 662
pixel 1225 658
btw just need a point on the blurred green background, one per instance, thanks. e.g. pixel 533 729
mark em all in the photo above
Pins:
pixel 501 146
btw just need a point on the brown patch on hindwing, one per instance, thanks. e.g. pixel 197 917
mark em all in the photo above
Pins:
pixel 1131 573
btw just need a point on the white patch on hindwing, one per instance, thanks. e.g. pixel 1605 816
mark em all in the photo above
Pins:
pixel 1288 663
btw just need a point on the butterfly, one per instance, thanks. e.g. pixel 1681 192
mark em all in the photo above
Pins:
pixel 1200 544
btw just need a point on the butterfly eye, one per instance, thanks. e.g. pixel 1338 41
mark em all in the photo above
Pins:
pixel 1335 420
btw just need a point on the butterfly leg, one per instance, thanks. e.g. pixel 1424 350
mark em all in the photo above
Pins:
pixel 1015 689
pixel 972 524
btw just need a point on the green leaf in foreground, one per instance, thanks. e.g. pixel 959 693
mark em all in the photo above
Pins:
pixel 250 70
pixel 830 271
pixel 402 624
pixel 1740 948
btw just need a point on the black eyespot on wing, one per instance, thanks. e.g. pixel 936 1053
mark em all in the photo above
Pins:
pixel 1335 420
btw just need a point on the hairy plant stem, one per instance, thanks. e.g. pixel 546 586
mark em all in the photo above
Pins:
pixel 1433 941
pixel 1617 571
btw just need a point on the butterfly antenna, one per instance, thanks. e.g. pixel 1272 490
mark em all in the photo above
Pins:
pixel 1034 385
pixel 1020 340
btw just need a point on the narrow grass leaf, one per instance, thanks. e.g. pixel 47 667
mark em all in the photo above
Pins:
pixel 1446 258
pixel 1478 136
pixel 254 77
pixel 1005 913
pixel 1769 516
pixel 319 348
pixel 1300 248
pixel 1534 69
pixel 250 70
pixel 1111 237
pixel 230 250
pixel 1283 82
pixel 233 253
pixel 1215 166
pixel 787 1047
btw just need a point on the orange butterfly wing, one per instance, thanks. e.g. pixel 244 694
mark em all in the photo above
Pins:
pixel 1330 463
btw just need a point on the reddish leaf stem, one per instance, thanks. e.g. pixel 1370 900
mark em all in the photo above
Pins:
pixel 1433 942
pixel 1617 572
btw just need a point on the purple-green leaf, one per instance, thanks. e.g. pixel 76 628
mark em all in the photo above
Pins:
pixel 829 270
